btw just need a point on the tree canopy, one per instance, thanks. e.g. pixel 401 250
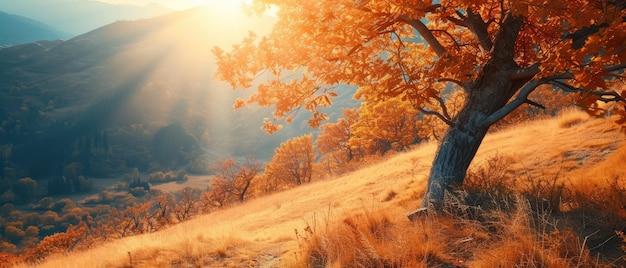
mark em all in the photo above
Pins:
pixel 496 51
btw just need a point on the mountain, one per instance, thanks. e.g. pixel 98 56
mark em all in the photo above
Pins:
pixel 132 94
pixel 79 16
pixel 16 29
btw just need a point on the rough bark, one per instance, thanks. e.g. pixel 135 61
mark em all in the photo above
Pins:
pixel 488 93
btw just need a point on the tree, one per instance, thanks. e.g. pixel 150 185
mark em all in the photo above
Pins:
pixel 497 52
pixel 25 189
pixel 163 205
pixel 171 144
pixel 292 162
pixel 386 125
pixel 187 205
pixel 139 218
pixel 232 180
pixel 13 234
pixel 552 102
pixel 57 243
pixel 333 140
pixel 71 181
pixel 136 186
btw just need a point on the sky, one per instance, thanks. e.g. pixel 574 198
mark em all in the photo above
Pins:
pixel 175 4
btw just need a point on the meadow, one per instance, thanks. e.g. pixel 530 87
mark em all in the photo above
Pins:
pixel 544 193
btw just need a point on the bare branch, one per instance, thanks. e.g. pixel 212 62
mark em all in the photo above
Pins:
pixel 438 115
pixel 536 104
pixel 603 96
pixel 444 109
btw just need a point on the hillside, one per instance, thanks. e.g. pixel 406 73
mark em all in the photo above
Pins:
pixel 260 233
pixel 128 81
pixel 63 14
pixel 18 30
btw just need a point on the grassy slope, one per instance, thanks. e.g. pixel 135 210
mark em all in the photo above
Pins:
pixel 261 231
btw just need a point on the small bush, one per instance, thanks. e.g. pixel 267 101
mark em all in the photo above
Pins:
pixel 162 177
pixel 55 244
pixel 137 191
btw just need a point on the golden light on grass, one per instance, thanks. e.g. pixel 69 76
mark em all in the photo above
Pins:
pixel 362 214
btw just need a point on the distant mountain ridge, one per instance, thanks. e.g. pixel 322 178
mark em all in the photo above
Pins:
pixel 130 80
pixel 16 30
pixel 79 16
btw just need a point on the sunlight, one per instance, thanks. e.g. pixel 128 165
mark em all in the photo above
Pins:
pixel 229 5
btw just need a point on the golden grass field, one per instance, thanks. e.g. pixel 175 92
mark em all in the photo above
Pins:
pixel 273 231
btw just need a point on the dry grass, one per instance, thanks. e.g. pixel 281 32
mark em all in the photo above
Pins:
pixel 511 235
pixel 503 227
pixel 359 218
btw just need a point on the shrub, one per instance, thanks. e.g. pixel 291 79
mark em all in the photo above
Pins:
pixel 137 191
pixel 25 189
pixel 8 259
pixel 161 177
pixel 44 204
pixel 57 243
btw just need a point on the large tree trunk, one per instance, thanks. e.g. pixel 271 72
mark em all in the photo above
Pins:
pixel 486 94
pixel 455 153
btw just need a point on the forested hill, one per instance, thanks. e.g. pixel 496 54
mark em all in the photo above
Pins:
pixel 18 30
pixel 101 98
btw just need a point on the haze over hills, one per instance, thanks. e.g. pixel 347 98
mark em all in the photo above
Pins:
pixel 79 16
pixel 127 81
pixel 16 29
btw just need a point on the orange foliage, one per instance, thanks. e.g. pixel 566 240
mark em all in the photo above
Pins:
pixel 387 50
pixel 232 181
pixel 8 260
pixel 55 244
pixel 497 52
pixel 292 164
pixel 332 142
pixel 391 124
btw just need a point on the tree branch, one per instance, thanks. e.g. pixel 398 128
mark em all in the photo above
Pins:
pixel 444 109
pixel 525 73
pixel 478 26
pixel 616 67
pixel 425 33
pixel 536 104
pixel 603 96
pixel 438 115
pixel 449 36
pixel 455 81
pixel 461 21
pixel 521 98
